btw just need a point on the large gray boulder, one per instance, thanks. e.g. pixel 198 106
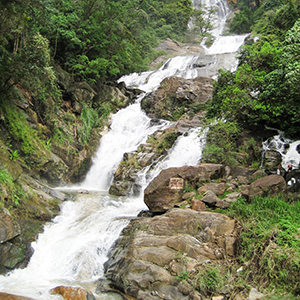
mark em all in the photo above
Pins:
pixel 152 252
pixel 177 97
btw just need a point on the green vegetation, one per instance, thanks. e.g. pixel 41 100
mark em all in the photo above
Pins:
pixel 268 255
pixel 10 192
pixel 224 145
pixel 221 143
pixel 264 90
pixel 94 39
pixel 269 243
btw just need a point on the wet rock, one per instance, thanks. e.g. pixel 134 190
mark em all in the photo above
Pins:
pixel 10 255
pixel 271 160
pixel 72 293
pixel 5 296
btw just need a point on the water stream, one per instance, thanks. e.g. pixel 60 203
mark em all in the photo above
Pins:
pixel 73 248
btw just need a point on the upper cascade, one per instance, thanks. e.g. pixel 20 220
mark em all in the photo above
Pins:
pixel 222 11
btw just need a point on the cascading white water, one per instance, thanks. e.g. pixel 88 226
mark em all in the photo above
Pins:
pixel 129 128
pixel 288 149
pixel 222 11
pixel 73 248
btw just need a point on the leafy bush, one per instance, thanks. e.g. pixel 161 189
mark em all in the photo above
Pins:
pixel 221 143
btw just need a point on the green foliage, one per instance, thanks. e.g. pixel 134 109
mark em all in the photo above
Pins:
pixel 203 20
pixel 167 142
pixel 264 90
pixel 221 143
pixel 270 241
pixel 14 155
pixel 242 21
pixel 10 193
pixel 21 132
pixel 209 280
pixel 183 276
pixel 89 120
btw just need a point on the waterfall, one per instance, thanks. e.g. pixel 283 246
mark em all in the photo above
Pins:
pixel 289 150
pixel 73 248
pixel 130 127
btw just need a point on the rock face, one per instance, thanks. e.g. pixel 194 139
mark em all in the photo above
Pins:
pixel 124 182
pixel 166 189
pixel 152 252
pixel 178 97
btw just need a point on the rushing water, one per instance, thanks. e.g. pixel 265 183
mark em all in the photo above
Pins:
pixel 288 149
pixel 73 248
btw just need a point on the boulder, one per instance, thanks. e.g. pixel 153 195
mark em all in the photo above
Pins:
pixel 271 160
pixel 10 255
pixel 210 198
pixel 151 253
pixel 237 171
pixel 112 94
pixel 81 92
pixel 165 190
pixel 72 293
pixel 198 205
pixel 271 185
pixel 178 97
pixel 5 296
pixel 217 188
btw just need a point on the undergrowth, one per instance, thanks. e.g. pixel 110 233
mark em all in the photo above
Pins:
pixel 269 243
pixel 11 193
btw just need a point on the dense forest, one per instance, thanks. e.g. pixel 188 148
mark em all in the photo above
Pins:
pixel 95 41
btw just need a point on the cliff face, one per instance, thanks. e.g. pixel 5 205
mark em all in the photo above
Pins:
pixel 44 144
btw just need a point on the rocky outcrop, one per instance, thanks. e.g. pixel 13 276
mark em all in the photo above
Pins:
pixel 178 98
pixel 125 178
pixel 152 253
pixel 166 189
pixel 163 253
pixel 44 144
